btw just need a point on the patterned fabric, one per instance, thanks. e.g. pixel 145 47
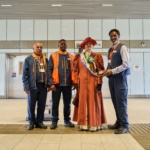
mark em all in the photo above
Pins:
pixel 39 57
pixel 87 65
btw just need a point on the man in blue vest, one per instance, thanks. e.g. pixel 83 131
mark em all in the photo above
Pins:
pixel 117 71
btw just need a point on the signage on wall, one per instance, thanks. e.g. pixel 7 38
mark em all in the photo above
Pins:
pixel 13 75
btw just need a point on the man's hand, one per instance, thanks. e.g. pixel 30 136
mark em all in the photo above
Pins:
pixel 75 86
pixel 52 87
pixel 101 72
pixel 78 45
pixel 107 72
pixel 27 91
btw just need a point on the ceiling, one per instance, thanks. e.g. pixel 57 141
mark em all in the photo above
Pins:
pixel 75 9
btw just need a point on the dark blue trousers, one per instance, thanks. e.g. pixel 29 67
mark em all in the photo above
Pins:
pixel 37 96
pixel 67 95
pixel 119 91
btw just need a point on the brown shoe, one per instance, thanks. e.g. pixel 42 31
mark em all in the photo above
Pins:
pixel 115 126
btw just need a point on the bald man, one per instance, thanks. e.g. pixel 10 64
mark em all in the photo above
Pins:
pixel 35 85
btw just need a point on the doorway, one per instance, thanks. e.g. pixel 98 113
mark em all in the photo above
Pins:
pixel 14 76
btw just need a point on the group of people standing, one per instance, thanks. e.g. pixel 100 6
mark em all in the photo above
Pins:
pixel 84 73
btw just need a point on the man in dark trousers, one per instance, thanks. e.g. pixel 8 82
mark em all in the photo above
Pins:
pixel 60 80
pixel 35 85
pixel 117 71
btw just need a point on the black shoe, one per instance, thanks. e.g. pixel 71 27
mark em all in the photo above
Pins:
pixel 83 130
pixel 53 125
pixel 69 124
pixel 31 126
pixel 40 125
pixel 115 126
pixel 121 130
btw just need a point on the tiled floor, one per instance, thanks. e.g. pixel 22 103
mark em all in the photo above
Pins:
pixel 15 111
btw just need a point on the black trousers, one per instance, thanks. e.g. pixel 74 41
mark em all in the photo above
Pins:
pixel 38 96
pixel 67 95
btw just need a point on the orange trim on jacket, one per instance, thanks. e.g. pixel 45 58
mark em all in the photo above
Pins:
pixel 55 57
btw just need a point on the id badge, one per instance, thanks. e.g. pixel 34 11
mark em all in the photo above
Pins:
pixel 41 70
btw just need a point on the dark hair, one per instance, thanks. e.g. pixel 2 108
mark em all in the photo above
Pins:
pixel 114 30
pixel 62 40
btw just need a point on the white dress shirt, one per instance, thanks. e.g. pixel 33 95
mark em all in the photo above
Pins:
pixel 124 52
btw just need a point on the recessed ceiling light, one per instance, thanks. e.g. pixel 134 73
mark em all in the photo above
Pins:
pixel 107 5
pixel 56 5
pixel 6 5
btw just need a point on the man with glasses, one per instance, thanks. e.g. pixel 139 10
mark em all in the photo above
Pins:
pixel 35 85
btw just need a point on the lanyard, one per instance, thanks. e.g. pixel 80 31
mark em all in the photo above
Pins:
pixel 113 48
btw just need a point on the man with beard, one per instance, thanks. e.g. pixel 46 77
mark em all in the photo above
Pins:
pixel 117 71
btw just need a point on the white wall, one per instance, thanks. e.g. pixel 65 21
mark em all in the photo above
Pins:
pixel 67 29
pixel 15 85
pixel 136 30
pixel 40 30
pixel 81 29
pixel 13 30
pixel 2 75
pixel 137 80
pixel 54 29
pixel 2 30
pixel 123 26
pixel 147 73
pixel 26 30
pixel 107 25
pixel 78 30
pixel 73 29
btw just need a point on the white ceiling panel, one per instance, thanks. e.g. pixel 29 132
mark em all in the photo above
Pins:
pixel 75 9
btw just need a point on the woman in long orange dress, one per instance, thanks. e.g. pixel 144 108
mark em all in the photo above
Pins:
pixel 88 66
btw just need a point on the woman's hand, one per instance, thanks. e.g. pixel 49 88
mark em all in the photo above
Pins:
pixel 99 87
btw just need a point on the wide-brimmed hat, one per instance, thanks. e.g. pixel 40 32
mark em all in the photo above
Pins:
pixel 88 39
